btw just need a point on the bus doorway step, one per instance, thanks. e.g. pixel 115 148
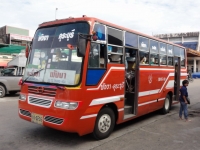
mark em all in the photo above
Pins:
pixel 127 116
pixel 127 109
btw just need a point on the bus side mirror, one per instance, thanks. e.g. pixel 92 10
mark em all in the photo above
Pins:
pixel 81 47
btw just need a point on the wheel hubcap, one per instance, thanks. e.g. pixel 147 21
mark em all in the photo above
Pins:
pixel 1 92
pixel 166 103
pixel 104 123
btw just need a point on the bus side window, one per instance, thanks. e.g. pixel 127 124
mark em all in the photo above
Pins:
pixel 102 56
pixel 163 60
pixel 115 54
pixel 97 56
pixel 170 61
pixel 144 58
pixel 154 59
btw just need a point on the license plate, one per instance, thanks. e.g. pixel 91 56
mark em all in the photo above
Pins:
pixel 36 118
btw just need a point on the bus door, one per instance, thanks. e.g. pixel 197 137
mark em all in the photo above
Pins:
pixel 131 82
pixel 177 72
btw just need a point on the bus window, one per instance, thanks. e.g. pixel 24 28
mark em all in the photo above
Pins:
pixel 163 48
pixel 143 43
pixel 130 59
pixel 170 50
pixel 100 32
pixel 115 54
pixel 144 58
pixel 170 61
pixel 176 51
pixel 182 54
pixel 153 46
pixel 182 62
pixel 154 59
pixel 94 56
pixel 163 60
pixel 97 56
pixel 131 39
pixel 115 37
pixel 175 60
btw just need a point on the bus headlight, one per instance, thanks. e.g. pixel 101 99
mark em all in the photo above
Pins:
pixel 66 105
pixel 22 97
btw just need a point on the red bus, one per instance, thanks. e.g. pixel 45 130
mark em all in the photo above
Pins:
pixel 85 75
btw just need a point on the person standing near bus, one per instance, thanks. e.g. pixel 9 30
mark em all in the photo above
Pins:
pixel 183 101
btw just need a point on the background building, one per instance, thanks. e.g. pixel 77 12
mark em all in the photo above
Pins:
pixel 14 36
pixel 190 40
pixel 12 41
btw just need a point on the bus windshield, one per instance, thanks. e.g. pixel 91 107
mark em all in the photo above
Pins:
pixel 54 50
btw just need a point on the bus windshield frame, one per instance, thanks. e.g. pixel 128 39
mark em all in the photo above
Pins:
pixel 54 50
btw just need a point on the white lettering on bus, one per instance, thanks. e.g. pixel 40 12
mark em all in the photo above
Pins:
pixel 118 86
pixel 57 74
pixel 143 44
pixel 66 35
pixel 105 86
pixel 162 49
pixel 154 47
pixel 161 79
pixel 43 37
pixel 170 51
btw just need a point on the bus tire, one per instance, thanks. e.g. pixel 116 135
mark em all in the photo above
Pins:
pixel 104 124
pixel 2 91
pixel 166 105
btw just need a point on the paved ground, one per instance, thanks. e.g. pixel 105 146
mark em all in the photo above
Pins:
pixel 150 132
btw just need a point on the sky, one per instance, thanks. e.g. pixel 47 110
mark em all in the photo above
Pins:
pixel 146 16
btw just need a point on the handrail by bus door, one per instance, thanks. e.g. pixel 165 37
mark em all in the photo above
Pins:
pixel 177 78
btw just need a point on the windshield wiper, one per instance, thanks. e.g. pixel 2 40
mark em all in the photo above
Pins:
pixel 31 75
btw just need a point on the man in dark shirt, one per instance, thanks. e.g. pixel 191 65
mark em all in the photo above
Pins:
pixel 183 101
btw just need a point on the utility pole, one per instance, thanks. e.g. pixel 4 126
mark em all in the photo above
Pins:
pixel 55 13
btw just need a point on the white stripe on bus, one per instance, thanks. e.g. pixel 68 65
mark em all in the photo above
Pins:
pixel 149 102
pixel 170 75
pixel 88 116
pixel 151 92
pixel 161 99
pixel 170 84
pixel 153 101
pixel 94 115
pixel 156 69
pixel 122 109
pixel 160 69
pixel 105 100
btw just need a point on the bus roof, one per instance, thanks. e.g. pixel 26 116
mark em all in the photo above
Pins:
pixel 92 19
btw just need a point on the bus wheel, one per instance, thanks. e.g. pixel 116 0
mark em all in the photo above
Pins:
pixel 2 91
pixel 166 105
pixel 105 123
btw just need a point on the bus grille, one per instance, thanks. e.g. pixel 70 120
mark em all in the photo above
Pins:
pixel 39 101
pixel 46 92
pixel 25 113
pixel 53 120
